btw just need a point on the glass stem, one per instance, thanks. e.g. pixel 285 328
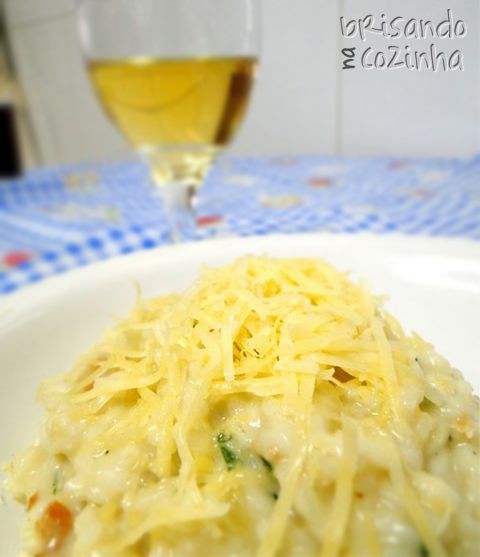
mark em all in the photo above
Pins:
pixel 179 204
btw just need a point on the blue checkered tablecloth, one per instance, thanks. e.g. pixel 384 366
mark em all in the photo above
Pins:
pixel 58 219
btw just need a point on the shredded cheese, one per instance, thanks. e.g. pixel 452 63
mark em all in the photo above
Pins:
pixel 335 527
pixel 272 409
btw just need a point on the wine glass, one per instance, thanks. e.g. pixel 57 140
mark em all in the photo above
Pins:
pixel 175 76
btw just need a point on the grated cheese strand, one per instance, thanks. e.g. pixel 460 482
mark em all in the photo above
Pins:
pixel 276 527
pixel 387 367
pixel 412 503
pixel 372 541
pixel 336 524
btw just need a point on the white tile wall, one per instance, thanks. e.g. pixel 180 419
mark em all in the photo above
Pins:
pixel 409 112
pixel 303 102
pixel 68 122
pixel 294 106
pixel 21 12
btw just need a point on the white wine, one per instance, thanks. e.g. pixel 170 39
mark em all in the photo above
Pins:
pixel 179 112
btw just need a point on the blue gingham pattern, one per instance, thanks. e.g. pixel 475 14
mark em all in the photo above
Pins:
pixel 57 219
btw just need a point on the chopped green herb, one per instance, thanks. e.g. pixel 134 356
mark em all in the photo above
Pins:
pixel 55 483
pixel 273 484
pixel 222 438
pixel 423 551
pixel 450 438
pixel 266 463
pixel 426 405
pixel 229 456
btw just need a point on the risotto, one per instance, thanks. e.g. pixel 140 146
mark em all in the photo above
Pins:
pixel 273 409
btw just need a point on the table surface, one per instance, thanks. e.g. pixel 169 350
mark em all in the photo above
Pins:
pixel 53 220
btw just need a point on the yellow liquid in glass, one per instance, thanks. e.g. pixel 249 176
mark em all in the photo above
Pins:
pixel 178 112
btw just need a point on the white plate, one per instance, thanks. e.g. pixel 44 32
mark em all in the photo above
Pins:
pixel 433 287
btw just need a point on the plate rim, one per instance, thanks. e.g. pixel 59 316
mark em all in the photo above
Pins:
pixel 27 293
pixel 55 285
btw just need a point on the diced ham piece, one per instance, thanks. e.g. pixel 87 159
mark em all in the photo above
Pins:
pixel 54 526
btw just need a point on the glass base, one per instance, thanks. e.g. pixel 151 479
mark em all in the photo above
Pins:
pixel 177 173
pixel 179 204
